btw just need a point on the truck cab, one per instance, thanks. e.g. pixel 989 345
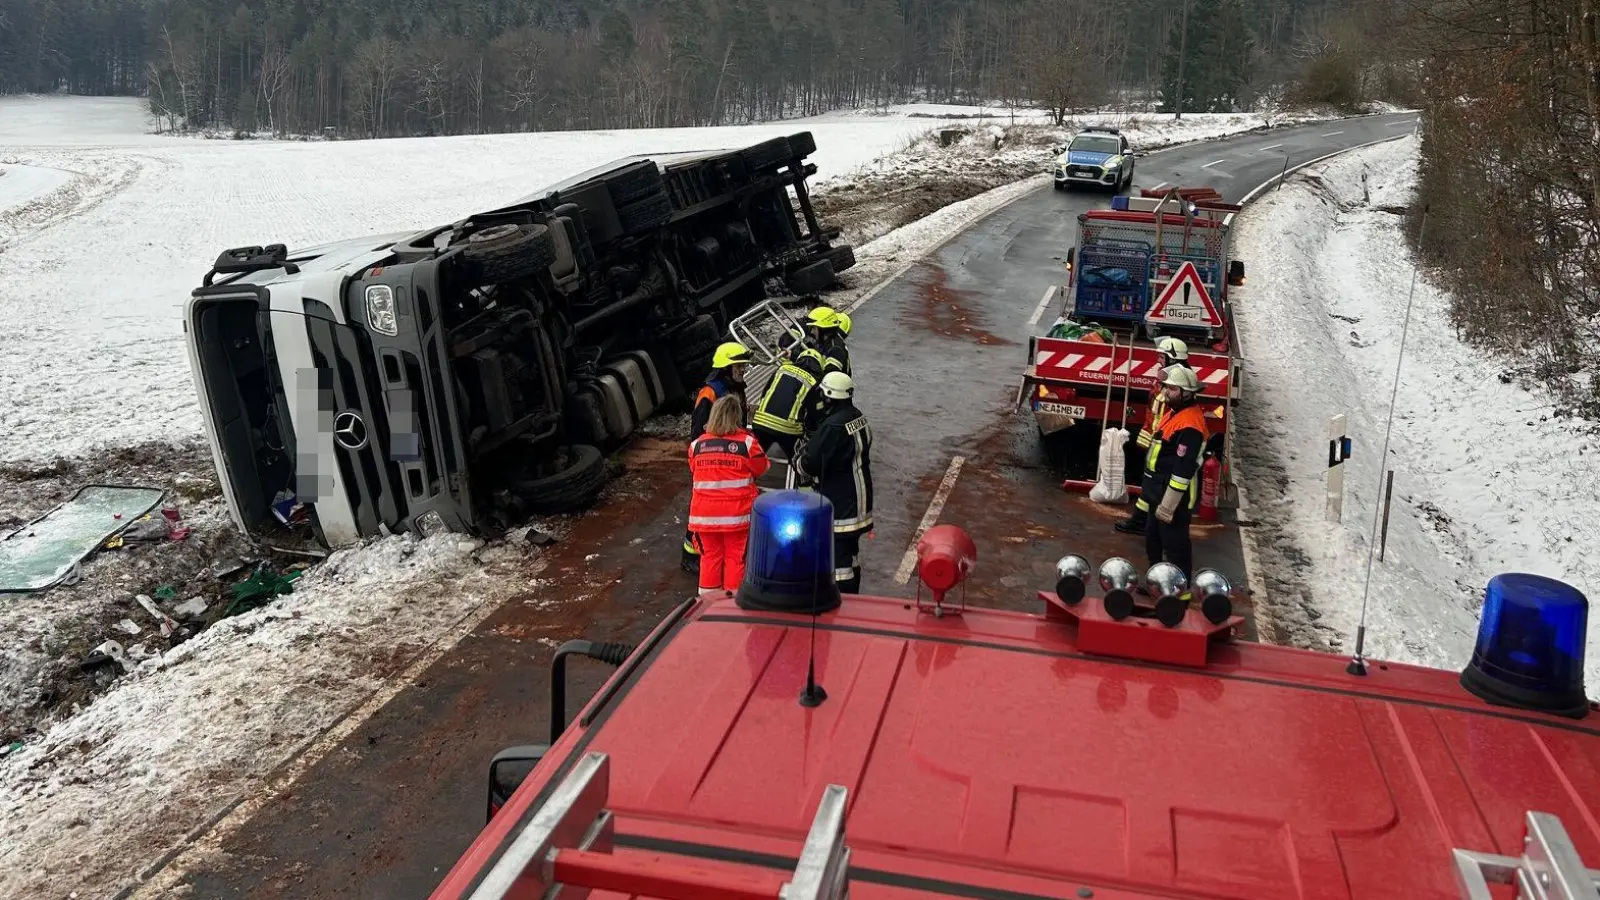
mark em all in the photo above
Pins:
pixel 466 376
pixel 1096 157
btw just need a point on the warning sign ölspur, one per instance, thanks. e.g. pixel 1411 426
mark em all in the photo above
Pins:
pixel 1185 302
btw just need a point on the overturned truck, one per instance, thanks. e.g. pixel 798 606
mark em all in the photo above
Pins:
pixel 464 377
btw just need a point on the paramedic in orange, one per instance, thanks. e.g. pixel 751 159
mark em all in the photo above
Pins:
pixel 724 463
pixel 728 366
pixel 1172 479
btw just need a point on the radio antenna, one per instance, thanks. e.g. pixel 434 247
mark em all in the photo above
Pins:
pixel 1358 662
pixel 813 694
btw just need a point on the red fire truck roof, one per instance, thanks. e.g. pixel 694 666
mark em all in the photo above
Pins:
pixel 985 755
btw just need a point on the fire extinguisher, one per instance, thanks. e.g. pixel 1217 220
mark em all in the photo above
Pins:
pixel 1210 483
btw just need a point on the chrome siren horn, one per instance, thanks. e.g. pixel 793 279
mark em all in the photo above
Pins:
pixel 1117 578
pixel 1216 595
pixel 1072 578
pixel 1166 582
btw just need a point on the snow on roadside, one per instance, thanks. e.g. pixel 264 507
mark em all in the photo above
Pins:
pixel 1485 481
pixel 187 731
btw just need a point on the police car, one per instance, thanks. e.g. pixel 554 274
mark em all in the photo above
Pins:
pixel 1096 156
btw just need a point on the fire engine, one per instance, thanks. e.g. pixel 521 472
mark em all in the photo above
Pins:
pixel 782 741
pixel 1155 265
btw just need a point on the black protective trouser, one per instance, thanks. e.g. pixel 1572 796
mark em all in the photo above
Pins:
pixel 847 561
pixel 1170 542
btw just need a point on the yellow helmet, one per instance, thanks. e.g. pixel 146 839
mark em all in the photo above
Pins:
pixel 1173 348
pixel 844 323
pixel 823 317
pixel 731 353
pixel 1182 379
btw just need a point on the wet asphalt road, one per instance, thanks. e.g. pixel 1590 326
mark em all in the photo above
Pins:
pixel 938 354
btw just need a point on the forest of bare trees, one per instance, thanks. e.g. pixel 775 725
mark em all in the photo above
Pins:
pixel 394 67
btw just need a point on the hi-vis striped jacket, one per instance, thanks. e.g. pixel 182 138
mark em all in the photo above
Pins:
pixel 839 457
pixel 725 470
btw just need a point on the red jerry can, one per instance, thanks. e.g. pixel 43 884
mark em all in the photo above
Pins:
pixel 1210 483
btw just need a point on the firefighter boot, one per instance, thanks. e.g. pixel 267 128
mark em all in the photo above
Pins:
pixel 1133 524
pixel 691 554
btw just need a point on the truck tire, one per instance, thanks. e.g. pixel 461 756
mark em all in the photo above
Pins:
pixel 697 339
pixel 645 215
pixel 841 257
pixel 634 182
pixel 505 253
pixel 767 155
pixel 574 486
pixel 802 144
pixel 811 279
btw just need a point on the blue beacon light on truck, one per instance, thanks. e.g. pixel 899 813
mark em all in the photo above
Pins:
pixel 789 566
pixel 1531 646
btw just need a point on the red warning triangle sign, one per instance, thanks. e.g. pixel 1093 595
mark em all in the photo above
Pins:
pixel 1185 301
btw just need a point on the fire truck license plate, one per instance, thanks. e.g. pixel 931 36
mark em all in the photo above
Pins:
pixel 1062 409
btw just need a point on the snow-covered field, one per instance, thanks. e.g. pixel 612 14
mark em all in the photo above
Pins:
pixel 95 263
pixel 1485 481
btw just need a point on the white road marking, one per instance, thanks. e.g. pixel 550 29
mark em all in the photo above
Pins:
pixel 1160 186
pixel 935 506
pixel 1043 305
pixel 1213 163
pixel 1258 189
pixel 1333 134
pixel 1273 147
pixel 1401 124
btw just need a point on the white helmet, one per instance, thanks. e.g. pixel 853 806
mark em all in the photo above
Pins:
pixel 838 386
pixel 1183 379
pixel 1173 348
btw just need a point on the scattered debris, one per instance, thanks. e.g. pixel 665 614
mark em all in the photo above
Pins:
pixel 539 538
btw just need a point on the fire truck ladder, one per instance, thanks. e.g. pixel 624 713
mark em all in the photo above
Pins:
pixel 1548 869
pixel 565 851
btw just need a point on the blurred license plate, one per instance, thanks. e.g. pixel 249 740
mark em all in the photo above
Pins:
pixel 1062 409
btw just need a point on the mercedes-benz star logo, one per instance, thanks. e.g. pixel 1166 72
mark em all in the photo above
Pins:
pixel 350 431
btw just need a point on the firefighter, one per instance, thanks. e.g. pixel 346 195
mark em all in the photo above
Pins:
pixel 724 463
pixel 838 458
pixel 1173 353
pixel 1173 479
pixel 728 364
pixel 783 413
pixel 827 329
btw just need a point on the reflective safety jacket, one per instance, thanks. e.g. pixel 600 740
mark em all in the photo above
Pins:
pixel 838 457
pixel 725 470
pixel 836 356
pixel 1174 455
pixel 714 389
pixel 784 408
pixel 1158 408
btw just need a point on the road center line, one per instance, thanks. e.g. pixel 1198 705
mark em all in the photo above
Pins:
pixel 1273 147
pixel 1160 186
pixel 935 506
pixel 1213 163
pixel 1044 304
pixel 1333 134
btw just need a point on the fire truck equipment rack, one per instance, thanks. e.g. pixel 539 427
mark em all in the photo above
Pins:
pixel 568 844
pixel 1549 867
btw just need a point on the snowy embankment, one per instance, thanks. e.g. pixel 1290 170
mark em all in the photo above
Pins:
pixel 91 288
pixel 1485 480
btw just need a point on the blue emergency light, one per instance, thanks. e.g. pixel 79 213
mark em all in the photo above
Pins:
pixel 1531 645
pixel 789 564
pixel 1119 203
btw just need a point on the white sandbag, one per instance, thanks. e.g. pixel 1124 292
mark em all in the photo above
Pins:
pixel 1111 482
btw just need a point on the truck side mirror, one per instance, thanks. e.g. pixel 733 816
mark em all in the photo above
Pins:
pixel 507 771
pixel 1236 272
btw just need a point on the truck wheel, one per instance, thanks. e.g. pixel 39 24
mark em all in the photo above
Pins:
pixel 811 279
pixel 645 215
pixel 802 144
pixel 767 155
pixel 504 253
pixel 634 182
pixel 841 257
pixel 575 485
